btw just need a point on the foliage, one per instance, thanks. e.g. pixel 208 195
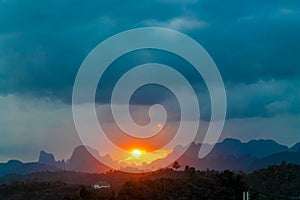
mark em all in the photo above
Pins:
pixel 280 182
pixel 210 185
pixel 176 165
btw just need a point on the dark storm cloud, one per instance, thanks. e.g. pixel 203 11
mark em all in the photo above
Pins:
pixel 252 40
pixel 43 44
pixel 263 99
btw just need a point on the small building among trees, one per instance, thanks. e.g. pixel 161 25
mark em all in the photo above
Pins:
pixel 101 185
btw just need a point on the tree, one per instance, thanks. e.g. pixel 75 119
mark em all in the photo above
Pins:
pixel 176 165
pixel 86 195
pixel 187 169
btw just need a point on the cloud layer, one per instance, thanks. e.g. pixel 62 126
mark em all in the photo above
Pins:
pixel 255 45
pixel 43 44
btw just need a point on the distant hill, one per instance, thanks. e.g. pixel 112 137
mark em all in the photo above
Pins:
pixel 276 159
pixel 233 154
pixel 219 160
pixel 275 182
pixel 254 148
pixel 46 158
pixel 80 161
pixel 229 154
pixel 17 167
pixel 296 147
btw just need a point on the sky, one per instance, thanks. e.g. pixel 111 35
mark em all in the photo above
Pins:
pixel 255 45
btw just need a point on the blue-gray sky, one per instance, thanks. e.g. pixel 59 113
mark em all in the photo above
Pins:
pixel 255 45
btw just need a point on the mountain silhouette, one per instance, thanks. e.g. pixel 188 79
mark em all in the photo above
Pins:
pixel 253 148
pixel 17 167
pixel 235 155
pixel 276 159
pixel 83 161
pixel 231 154
pixel 46 158
pixel 296 147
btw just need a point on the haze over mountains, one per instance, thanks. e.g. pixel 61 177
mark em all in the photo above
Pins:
pixel 230 154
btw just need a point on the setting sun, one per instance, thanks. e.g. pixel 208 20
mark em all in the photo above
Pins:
pixel 138 158
pixel 136 153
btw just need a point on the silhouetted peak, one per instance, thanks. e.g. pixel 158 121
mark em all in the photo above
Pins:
pixel 193 150
pixel 84 152
pixel 255 148
pixel 264 142
pixel 231 141
pixel 86 159
pixel 14 162
pixel 193 145
pixel 107 158
pixel 46 158
pixel 296 147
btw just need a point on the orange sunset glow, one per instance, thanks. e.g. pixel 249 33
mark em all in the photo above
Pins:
pixel 138 157
pixel 139 153
pixel 136 153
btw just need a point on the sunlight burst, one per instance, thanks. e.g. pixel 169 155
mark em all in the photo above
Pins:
pixel 136 153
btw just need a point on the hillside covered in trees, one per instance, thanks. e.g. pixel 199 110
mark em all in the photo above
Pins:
pixel 275 182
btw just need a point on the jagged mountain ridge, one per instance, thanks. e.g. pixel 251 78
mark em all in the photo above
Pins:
pixel 230 154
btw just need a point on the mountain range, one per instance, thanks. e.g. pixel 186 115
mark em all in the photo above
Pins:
pixel 232 154
pixel 229 154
